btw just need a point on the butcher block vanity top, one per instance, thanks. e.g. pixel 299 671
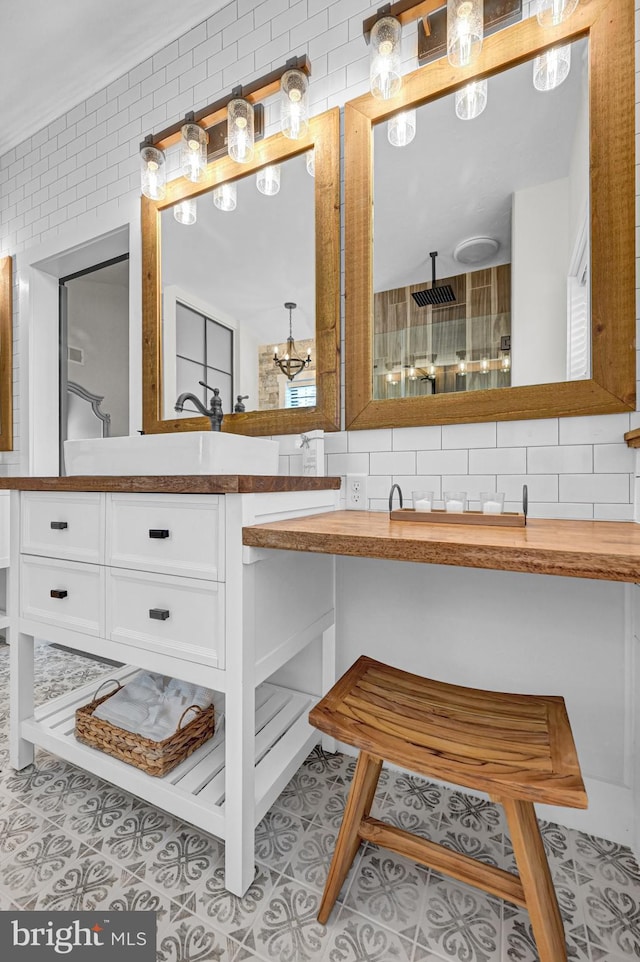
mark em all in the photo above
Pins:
pixel 607 550
pixel 175 484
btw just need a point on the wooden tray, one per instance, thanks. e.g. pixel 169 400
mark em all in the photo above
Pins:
pixel 508 519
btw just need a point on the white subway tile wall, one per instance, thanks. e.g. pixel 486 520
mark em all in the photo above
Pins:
pixel 86 162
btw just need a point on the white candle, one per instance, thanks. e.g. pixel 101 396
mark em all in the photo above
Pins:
pixel 454 505
pixel 422 504
pixel 492 507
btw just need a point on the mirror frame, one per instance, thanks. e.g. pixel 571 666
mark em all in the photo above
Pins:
pixel 324 137
pixel 609 26
pixel 6 354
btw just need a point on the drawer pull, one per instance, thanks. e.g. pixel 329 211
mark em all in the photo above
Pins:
pixel 158 533
pixel 58 593
pixel 159 614
pixel 59 525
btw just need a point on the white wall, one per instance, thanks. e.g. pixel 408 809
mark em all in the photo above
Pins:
pixel 539 266
pixel 525 632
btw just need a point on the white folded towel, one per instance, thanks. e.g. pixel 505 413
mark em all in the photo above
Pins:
pixel 152 705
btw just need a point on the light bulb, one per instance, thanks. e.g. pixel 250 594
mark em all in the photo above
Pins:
pixel 153 178
pixel 294 109
pixel 186 212
pixel 465 30
pixel 484 365
pixel 550 13
pixel 506 362
pixel 268 180
pixel 462 368
pixel 225 197
pixel 240 136
pixel 311 163
pixel 401 129
pixel 551 68
pixel 384 71
pixel 471 100
pixel 193 152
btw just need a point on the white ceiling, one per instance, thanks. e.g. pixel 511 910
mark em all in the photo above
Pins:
pixel 56 53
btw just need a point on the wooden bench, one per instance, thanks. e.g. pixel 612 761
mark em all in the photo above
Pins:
pixel 517 748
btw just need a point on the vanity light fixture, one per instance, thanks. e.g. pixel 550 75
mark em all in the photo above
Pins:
pixel 294 104
pixel 550 13
pixel 471 100
pixel 291 363
pixel 153 174
pixel 485 365
pixel 461 367
pixel 552 67
pixel 401 129
pixel 225 197
pixel 505 362
pixel 385 79
pixel 186 211
pixel 465 31
pixel 193 150
pixel 230 125
pixel 268 180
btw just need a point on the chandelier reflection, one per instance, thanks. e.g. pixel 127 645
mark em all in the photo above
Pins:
pixel 291 363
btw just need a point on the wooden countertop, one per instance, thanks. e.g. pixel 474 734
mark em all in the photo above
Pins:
pixel 174 484
pixel 607 550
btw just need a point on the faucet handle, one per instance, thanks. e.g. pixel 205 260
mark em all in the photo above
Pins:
pixel 204 384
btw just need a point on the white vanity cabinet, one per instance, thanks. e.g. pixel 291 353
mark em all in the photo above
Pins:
pixel 161 581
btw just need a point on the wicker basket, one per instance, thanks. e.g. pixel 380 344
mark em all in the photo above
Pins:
pixel 154 758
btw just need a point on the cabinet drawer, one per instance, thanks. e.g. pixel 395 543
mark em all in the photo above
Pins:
pixel 167 614
pixel 171 534
pixel 63 525
pixel 63 593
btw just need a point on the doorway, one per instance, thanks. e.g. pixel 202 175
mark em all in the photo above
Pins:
pixel 94 352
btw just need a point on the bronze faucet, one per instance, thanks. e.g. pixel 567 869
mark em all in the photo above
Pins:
pixel 214 412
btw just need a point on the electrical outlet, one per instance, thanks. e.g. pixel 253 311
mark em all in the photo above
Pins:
pixel 356 492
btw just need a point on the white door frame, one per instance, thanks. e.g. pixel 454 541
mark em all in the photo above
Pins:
pixel 88 241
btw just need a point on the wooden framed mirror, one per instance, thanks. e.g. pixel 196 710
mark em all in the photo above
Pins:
pixel 6 354
pixel 214 293
pixel 395 344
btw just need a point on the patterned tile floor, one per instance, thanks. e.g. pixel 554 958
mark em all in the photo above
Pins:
pixel 70 841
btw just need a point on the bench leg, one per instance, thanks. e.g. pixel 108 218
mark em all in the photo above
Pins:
pixel 535 877
pixel 363 789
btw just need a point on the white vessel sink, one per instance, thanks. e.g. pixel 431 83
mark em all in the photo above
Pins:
pixel 189 452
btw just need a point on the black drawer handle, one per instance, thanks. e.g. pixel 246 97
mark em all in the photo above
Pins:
pixel 58 593
pixel 59 525
pixel 158 533
pixel 159 614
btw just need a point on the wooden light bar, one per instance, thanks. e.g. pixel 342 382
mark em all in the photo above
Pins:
pixel 214 113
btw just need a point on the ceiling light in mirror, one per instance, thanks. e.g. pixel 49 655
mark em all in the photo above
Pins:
pixel 223 284
pixel 240 135
pixel 505 204
pixel 552 68
pixel 268 180
pixel 401 129
pixel 552 12
pixel 186 212
pixel 294 104
pixel 153 175
pixel 311 163
pixel 225 197
pixel 384 72
pixel 471 100
pixel 193 152
pixel 465 30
